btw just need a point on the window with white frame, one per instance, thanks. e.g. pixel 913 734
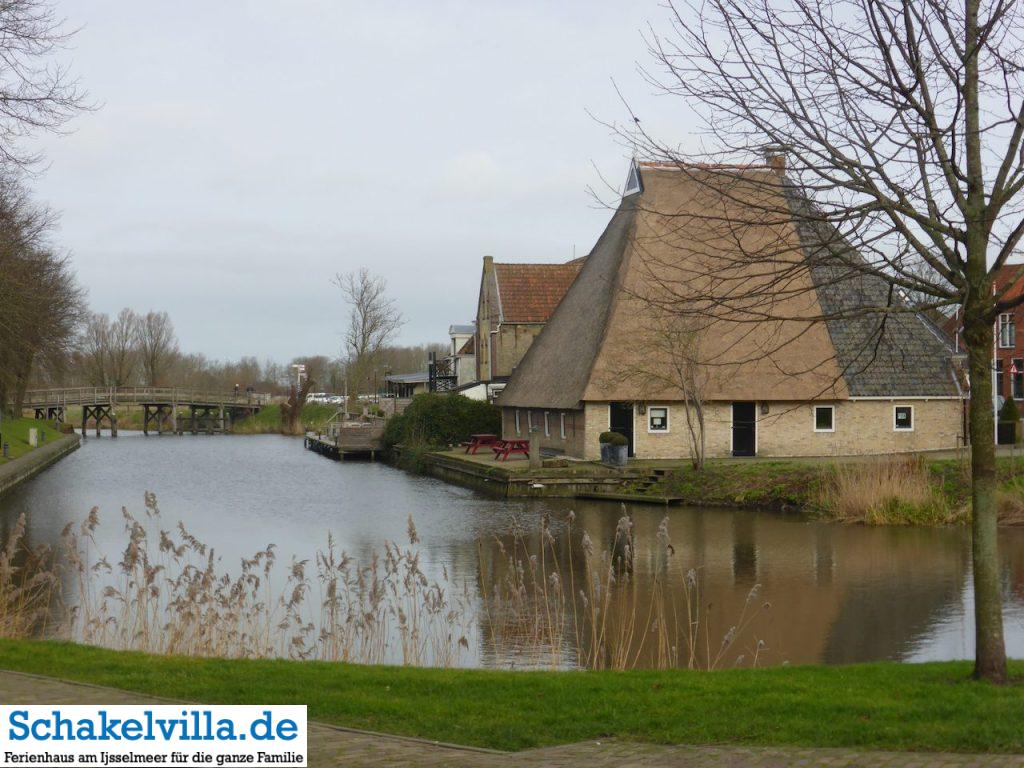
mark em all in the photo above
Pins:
pixel 903 418
pixel 518 431
pixel 529 420
pixel 824 418
pixel 547 425
pixel 1007 331
pixel 561 424
pixel 657 419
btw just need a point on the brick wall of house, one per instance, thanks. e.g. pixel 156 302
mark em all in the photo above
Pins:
pixel 861 427
pixel 573 442
pixel 513 339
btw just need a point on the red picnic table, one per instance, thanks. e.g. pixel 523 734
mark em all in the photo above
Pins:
pixel 505 448
pixel 476 442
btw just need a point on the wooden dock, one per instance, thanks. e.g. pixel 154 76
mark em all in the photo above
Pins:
pixel 348 438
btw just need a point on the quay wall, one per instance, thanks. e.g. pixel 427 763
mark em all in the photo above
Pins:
pixel 17 471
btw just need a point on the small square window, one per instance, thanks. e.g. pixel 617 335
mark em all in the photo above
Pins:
pixel 657 419
pixel 903 418
pixel 824 418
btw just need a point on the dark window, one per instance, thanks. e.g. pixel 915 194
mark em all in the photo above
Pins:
pixel 824 418
pixel 1017 379
pixel 904 417
pixel 657 419
pixel 1007 332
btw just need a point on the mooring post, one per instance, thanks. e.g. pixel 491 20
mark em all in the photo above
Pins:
pixel 113 424
pixel 85 418
pixel 534 449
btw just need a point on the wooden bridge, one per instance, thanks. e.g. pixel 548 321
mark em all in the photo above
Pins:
pixel 164 409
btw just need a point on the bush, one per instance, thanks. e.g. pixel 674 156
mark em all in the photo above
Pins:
pixel 612 438
pixel 436 420
pixel 1009 413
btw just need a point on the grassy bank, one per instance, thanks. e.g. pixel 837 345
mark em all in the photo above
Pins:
pixel 268 419
pixel 14 432
pixel 932 707
pixel 885 490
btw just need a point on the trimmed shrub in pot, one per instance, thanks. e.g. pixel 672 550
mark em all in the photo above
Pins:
pixel 614 448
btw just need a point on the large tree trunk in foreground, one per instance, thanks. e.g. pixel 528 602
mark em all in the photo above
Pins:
pixel 990 652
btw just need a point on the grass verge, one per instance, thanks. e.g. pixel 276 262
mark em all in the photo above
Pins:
pixel 925 707
pixel 14 432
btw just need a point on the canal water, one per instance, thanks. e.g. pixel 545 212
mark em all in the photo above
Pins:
pixel 798 591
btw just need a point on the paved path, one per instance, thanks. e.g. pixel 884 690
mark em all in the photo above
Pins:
pixel 331 747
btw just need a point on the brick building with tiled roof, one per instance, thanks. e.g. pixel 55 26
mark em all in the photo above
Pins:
pixel 515 302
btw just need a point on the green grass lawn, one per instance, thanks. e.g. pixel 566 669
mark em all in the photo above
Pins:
pixel 930 707
pixel 15 434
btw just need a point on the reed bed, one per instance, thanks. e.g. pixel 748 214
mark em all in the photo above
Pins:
pixel 544 601
pixel 890 490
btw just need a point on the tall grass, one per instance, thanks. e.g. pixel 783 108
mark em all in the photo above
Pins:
pixel 889 490
pixel 595 615
pixel 544 602
pixel 28 585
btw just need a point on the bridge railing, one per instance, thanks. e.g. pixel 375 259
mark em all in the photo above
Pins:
pixel 42 398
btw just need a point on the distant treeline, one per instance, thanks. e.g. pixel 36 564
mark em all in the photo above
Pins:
pixel 134 349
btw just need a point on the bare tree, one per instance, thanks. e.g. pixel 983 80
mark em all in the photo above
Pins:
pixel 94 346
pixel 902 127
pixel 123 350
pixel 36 93
pixel 157 346
pixel 41 302
pixel 374 319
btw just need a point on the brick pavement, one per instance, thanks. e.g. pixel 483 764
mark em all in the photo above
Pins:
pixel 331 747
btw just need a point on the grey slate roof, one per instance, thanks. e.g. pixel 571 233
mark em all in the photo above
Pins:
pixel 880 354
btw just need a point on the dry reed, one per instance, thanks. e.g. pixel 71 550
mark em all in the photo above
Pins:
pixel 884 490
pixel 553 607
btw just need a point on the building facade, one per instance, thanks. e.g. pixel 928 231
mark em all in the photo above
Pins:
pixel 515 301
pixel 612 358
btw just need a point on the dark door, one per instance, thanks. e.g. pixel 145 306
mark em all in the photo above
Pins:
pixel 744 429
pixel 621 420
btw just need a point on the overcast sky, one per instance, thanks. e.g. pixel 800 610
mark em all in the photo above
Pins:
pixel 243 152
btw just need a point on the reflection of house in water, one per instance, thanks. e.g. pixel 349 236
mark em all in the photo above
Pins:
pixel 836 593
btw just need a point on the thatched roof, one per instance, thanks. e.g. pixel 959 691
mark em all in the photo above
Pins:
pixel 619 333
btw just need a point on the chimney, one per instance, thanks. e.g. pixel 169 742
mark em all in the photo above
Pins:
pixel 776 159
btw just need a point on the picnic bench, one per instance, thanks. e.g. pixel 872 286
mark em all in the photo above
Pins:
pixel 505 448
pixel 476 442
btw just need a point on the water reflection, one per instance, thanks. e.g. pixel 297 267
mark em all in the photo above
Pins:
pixel 838 594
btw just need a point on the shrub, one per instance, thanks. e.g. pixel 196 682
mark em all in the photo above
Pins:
pixel 612 438
pixel 1009 413
pixel 438 420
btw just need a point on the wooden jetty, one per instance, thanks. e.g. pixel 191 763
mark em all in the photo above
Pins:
pixel 348 437
pixel 164 409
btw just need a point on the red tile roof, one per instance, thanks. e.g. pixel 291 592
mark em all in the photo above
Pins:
pixel 529 293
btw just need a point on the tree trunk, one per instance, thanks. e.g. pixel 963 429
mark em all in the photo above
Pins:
pixel 990 651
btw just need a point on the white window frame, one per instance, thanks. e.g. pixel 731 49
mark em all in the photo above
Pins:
pixel 814 416
pixel 1007 320
pixel 913 419
pixel 668 420
pixel 547 425
pixel 561 423
pixel 529 420
pixel 518 430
